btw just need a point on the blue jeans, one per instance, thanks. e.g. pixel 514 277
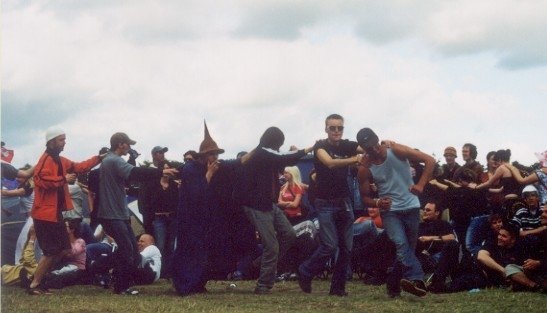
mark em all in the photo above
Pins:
pixel 402 228
pixel 126 257
pixel 165 232
pixel 477 232
pixel 336 234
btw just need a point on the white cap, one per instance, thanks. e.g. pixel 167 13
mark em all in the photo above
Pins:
pixel 53 132
pixel 529 188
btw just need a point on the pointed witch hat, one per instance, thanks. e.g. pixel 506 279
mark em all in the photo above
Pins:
pixel 208 144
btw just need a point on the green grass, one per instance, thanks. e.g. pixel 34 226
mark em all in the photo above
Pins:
pixel 286 297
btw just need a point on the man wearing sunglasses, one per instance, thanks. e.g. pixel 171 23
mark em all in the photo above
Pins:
pixel 332 158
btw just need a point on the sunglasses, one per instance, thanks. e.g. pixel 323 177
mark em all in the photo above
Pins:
pixel 336 128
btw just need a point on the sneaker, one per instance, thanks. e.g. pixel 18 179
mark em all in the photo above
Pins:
pixel 304 282
pixel 261 290
pixel 415 287
pixel 131 291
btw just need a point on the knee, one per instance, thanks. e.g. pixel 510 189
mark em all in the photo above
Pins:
pixel 329 248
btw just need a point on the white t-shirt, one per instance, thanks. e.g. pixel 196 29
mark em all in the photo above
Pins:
pixel 152 255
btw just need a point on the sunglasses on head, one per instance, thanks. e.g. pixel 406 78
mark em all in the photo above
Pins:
pixel 336 128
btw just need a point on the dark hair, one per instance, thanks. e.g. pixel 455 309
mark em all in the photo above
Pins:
pixel 503 155
pixel 472 150
pixel 190 152
pixel 465 175
pixel 74 224
pixel 272 138
pixel 512 229
pixel 489 155
pixel 437 204
pixel 334 117
pixel 494 217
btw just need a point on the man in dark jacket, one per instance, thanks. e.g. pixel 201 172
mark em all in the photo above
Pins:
pixel 258 194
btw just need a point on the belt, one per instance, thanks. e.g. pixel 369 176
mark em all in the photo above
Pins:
pixel 163 213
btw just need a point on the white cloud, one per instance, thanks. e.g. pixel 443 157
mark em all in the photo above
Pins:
pixel 156 71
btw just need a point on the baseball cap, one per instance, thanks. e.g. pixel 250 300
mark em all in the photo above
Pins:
pixel 118 138
pixel 367 138
pixel 157 149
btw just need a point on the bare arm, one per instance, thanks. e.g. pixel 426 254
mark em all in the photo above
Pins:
pixel 485 258
pixel 331 163
pixel 13 193
pixel 441 238
pixel 498 174
pixel 435 183
pixel 365 179
pixel 535 231
pixel 405 152
pixel 530 179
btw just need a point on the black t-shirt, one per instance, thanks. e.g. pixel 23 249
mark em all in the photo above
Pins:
pixel 333 183
pixel 433 228
pixel 514 255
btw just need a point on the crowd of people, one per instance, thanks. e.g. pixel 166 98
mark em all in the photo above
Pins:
pixel 376 208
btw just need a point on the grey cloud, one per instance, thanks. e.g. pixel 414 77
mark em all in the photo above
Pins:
pixel 278 20
pixel 21 119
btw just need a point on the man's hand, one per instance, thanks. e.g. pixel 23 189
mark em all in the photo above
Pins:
pixel 417 189
pixel 133 154
pixel 212 168
pixel 384 204
pixel 530 264
pixel 170 172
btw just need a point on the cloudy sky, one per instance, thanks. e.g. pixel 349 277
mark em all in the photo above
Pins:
pixel 424 73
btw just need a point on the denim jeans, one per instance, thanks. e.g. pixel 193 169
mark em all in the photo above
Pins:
pixel 277 236
pixel 477 232
pixel 165 233
pixel 336 234
pixel 127 256
pixel 402 228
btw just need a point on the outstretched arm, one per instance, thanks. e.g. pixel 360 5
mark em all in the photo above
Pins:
pixel 331 163
pixel 530 179
pixel 404 152
pixel 498 174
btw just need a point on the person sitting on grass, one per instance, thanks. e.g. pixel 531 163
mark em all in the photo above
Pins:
pixel 510 260
pixel 73 270
pixel 437 247
pixel 27 264
pixel 150 266
pixel 527 219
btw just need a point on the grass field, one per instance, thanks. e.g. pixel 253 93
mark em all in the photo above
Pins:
pixel 286 297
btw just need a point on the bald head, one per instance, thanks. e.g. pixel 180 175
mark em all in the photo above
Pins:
pixel 145 240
